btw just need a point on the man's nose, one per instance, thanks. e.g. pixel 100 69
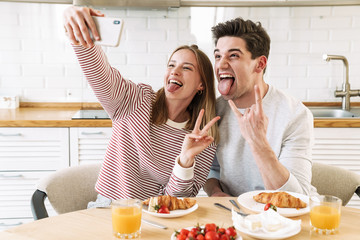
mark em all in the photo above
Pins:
pixel 223 63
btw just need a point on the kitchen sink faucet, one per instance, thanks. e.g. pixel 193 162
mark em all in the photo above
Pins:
pixel 346 92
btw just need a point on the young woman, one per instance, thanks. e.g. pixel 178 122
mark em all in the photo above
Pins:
pixel 160 141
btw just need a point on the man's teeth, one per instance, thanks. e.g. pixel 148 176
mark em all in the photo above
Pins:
pixel 176 82
pixel 222 76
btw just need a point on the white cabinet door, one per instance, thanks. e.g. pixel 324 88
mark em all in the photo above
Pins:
pixel 33 149
pixel 339 147
pixel 88 145
pixel 27 155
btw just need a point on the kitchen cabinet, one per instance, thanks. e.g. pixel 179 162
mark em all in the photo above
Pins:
pixel 88 145
pixel 339 147
pixel 26 155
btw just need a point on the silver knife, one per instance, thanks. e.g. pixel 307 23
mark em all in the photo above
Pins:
pixel 153 223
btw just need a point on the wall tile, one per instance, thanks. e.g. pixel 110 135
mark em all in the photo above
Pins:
pixel 37 61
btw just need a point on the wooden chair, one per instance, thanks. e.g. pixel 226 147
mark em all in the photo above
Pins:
pixel 68 190
pixel 336 181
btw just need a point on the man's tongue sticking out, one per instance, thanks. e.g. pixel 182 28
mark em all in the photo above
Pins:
pixel 225 85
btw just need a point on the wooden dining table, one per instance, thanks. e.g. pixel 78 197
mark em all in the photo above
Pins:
pixel 95 224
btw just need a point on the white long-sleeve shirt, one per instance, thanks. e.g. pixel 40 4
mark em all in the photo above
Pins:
pixel 140 160
pixel 290 134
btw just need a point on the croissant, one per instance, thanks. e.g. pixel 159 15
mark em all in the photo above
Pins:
pixel 280 199
pixel 172 203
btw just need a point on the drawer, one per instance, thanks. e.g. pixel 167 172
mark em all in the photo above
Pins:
pixel 33 149
pixel 16 189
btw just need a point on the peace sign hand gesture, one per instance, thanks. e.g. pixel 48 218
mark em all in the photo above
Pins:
pixel 253 123
pixel 196 141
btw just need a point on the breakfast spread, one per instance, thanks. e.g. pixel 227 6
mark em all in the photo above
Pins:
pixel 165 204
pixel 209 231
pixel 279 199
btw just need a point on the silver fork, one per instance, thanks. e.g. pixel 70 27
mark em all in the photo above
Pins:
pixel 237 206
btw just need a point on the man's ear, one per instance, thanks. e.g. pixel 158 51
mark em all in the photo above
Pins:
pixel 262 61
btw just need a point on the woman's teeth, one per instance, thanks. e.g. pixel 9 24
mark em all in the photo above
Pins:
pixel 176 82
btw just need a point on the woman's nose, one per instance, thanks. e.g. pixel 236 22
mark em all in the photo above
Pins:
pixel 175 71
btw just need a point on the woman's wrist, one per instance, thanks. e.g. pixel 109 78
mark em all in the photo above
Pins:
pixel 185 161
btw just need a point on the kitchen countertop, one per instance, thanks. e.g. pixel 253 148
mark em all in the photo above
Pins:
pixel 60 114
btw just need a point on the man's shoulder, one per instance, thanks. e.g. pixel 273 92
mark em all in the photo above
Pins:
pixel 283 99
pixel 286 105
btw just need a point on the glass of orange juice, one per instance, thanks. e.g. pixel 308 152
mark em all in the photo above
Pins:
pixel 325 212
pixel 126 218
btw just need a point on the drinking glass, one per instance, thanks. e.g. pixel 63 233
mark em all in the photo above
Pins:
pixel 126 218
pixel 325 212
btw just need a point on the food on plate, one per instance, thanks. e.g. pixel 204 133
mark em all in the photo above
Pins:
pixel 270 206
pixel 252 222
pixel 279 199
pixel 209 232
pixel 270 221
pixel 165 204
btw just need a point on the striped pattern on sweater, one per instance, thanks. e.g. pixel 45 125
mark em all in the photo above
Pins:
pixel 140 157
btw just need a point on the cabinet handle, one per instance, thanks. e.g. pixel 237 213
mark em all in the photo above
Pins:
pixel 10 134
pixel 11 176
pixel 91 133
pixel 10 224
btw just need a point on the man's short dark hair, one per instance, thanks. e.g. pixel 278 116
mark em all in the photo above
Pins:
pixel 256 38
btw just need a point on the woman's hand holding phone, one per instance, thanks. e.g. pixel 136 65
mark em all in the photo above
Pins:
pixel 78 21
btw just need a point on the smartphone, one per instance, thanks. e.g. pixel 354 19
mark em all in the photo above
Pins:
pixel 110 30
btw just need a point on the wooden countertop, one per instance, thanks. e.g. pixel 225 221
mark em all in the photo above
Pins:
pixel 60 114
pixel 49 115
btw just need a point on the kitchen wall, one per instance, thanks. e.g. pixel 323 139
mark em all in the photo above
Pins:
pixel 38 64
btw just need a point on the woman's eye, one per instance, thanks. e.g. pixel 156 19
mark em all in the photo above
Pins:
pixel 170 65
pixel 187 68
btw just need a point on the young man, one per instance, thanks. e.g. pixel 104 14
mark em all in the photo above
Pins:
pixel 266 136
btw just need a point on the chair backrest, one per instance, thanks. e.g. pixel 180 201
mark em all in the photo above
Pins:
pixel 336 181
pixel 71 189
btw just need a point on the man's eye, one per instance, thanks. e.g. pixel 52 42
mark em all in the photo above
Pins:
pixel 217 56
pixel 234 55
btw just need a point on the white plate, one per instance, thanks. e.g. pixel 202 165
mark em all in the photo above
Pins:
pixel 174 213
pixel 264 235
pixel 189 228
pixel 247 201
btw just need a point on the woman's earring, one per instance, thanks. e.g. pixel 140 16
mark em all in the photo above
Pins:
pixel 200 92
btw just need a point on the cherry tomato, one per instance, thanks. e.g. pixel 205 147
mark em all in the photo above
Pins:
pixel 184 231
pixel 192 235
pixel 230 231
pixel 195 231
pixel 200 237
pixel 164 209
pixel 224 237
pixel 221 230
pixel 210 227
pixel 181 237
pixel 211 235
